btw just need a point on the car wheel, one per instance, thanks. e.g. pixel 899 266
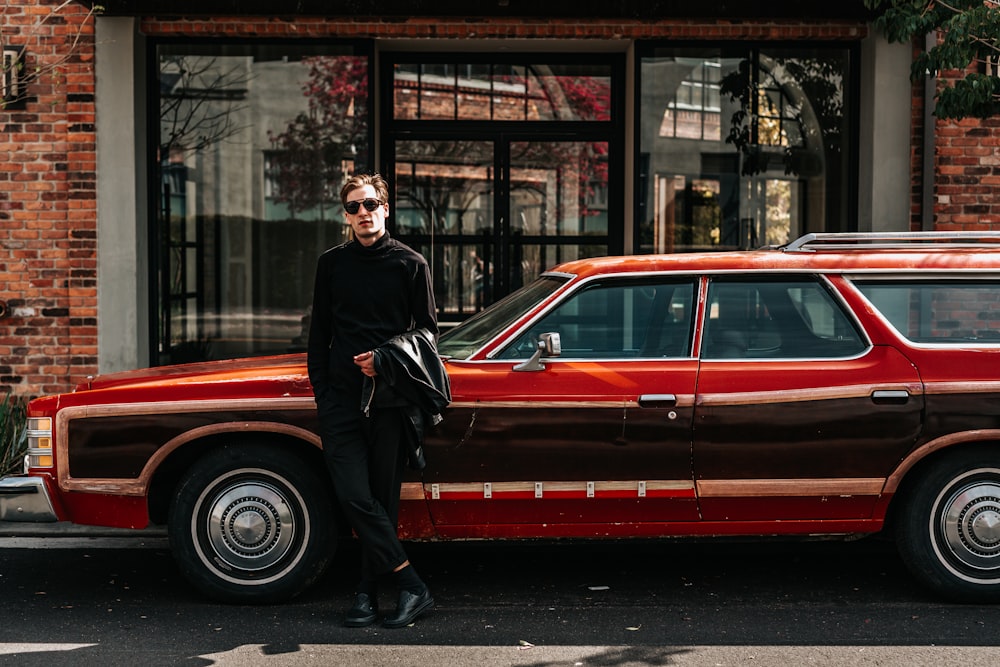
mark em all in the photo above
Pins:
pixel 949 532
pixel 251 524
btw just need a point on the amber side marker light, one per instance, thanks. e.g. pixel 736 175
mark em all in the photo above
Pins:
pixel 39 443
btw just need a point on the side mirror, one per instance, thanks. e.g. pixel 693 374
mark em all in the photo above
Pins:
pixel 548 346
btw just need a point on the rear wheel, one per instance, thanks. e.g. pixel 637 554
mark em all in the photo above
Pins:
pixel 251 524
pixel 949 532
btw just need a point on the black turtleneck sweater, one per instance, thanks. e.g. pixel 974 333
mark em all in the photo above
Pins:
pixel 363 297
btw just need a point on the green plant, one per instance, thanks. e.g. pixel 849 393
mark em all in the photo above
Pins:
pixel 13 433
pixel 969 44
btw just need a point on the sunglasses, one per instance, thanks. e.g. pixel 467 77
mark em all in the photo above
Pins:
pixel 353 207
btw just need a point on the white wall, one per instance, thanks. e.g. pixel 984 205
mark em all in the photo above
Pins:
pixel 884 147
pixel 122 243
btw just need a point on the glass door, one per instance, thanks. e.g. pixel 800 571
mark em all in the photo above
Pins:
pixel 491 215
pixel 501 164
pixel 444 208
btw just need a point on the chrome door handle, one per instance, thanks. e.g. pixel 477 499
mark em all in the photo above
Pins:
pixel 657 401
pixel 896 396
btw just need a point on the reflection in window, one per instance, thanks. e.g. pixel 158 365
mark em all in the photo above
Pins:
pixel 623 319
pixel 449 91
pixel 283 196
pixel 444 193
pixel 559 188
pixel 930 311
pixel 776 319
pixel 491 213
pixel 740 149
pixel 695 111
pixel 558 193
pixel 464 340
pixel 444 209
pixel 691 212
pixel 443 187
pixel 253 141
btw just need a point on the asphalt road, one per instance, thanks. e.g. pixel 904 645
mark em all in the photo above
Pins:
pixel 122 602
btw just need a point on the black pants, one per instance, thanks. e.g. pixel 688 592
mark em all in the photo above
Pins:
pixel 366 457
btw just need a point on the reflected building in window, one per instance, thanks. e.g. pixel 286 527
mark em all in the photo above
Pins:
pixel 253 143
pixel 739 150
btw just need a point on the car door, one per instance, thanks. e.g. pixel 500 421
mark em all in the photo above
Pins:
pixel 593 441
pixel 797 415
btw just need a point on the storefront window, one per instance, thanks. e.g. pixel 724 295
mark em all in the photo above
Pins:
pixel 501 91
pixel 742 147
pixel 253 144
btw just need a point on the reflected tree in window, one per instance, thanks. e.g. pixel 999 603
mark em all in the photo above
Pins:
pixel 240 124
pixel 580 167
pixel 200 101
pixel 743 147
pixel 202 104
pixel 321 143
pixel 486 207
pixel 789 108
pixel 578 97
pixel 439 185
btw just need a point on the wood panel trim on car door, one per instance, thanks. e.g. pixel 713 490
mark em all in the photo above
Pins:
pixel 138 486
pixel 760 488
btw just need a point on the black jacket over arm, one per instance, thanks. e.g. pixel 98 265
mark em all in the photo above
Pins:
pixel 409 366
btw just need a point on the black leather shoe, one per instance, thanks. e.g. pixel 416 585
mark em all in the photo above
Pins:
pixel 408 608
pixel 363 613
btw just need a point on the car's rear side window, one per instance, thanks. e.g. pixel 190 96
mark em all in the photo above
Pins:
pixel 936 310
pixel 776 318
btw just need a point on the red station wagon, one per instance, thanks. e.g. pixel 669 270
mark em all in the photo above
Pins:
pixel 842 385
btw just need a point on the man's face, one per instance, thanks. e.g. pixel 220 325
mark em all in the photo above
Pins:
pixel 368 226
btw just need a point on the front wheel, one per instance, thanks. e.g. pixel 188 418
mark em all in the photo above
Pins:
pixel 251 524
pixel 949 532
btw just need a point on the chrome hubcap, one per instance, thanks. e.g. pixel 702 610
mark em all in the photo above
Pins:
pixel 250 525
pixel 971 525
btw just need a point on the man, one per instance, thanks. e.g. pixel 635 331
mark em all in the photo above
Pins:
pixel 368 290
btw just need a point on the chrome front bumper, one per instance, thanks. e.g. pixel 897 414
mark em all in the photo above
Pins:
pixel 25 499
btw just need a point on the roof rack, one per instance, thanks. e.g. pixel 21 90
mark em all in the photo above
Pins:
pixel 890 240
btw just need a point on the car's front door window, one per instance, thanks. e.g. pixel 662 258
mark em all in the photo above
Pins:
pixel 622 319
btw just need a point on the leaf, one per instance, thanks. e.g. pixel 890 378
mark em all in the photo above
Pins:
pixel 967 32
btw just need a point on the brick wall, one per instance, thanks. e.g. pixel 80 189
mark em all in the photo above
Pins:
pixel 500 28
pixel 967 175
pixel 966 168
pixel 48 237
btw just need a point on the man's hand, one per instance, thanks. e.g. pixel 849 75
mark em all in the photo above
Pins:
pixel 366 362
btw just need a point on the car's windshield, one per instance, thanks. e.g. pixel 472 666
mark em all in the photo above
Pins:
pixel 462 341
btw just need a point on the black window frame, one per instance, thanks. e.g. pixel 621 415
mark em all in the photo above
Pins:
pixel 503 133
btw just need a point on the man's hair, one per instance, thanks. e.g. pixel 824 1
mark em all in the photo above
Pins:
pixel 360 181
